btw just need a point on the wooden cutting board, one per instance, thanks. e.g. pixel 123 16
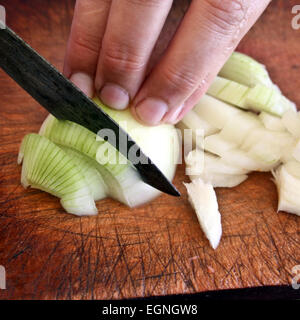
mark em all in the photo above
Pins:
pixel 156 249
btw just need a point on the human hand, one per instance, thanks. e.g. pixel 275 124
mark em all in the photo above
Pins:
pixel 111 42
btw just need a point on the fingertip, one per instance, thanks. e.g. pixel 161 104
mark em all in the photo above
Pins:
pixel 151 111
pixel 114 96
pixel 172 116
pixel 84 82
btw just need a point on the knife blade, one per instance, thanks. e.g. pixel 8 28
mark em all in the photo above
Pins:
pixel 62 99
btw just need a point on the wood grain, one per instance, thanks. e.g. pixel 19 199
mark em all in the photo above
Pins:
pixel 156 249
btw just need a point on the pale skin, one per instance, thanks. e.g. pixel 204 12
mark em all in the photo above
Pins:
pixel 111 43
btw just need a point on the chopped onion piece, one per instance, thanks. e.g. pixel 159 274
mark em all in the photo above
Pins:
pixel 291 122
pixel 244 160
pixel 293 168
pixel 49 168
pixel 194 122
pixel 271 122
pixel 197 140
pixel 218 145
pixel 288 189
pixel 262 98
pixel 198 162
pixel 258 98
pixel 237 128
pixel 194 161
pixel 214 111
pixel 228 91
pixel 267 153
pixel 204 201
pixel 296 151
pixel 211 169
pixel 267 145
pixel 245 70
pixel 220 180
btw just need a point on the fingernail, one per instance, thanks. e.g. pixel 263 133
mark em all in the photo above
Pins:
pixel 173 116
pixel 84 82
pixel 114 96
pixel 151 110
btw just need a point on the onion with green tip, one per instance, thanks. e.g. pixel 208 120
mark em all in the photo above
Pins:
pixel 49 168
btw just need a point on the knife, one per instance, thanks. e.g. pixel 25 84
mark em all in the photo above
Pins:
pixel 61 98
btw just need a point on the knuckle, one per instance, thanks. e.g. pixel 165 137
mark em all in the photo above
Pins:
pixel 87 42
pixel 183 81
pixel 226 15
pixel 119 58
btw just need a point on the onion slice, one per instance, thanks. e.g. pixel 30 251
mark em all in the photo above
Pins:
pixel 203 199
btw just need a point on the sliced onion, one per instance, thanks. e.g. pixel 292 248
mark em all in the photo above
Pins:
pixel 203 199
